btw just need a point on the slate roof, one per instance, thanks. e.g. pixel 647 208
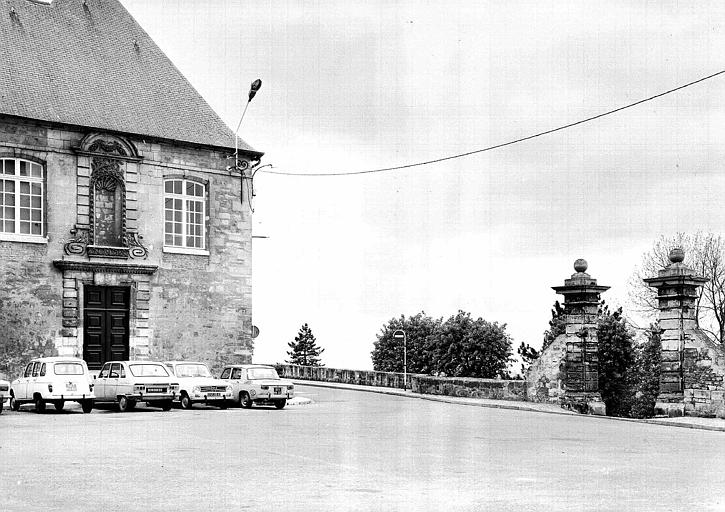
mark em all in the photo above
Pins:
pixel 90 64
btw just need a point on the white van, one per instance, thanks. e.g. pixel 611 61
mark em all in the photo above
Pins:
pixel 53 380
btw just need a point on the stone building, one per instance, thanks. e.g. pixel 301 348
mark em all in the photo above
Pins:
pixel 123 233
pixel 567 372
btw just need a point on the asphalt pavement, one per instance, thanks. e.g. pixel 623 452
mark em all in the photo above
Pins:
pixel 352 451
pixel 714 424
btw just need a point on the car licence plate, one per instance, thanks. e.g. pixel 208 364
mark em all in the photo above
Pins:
pixel 155 390
pixel 277 391
pixel 70 386
pixel 213 395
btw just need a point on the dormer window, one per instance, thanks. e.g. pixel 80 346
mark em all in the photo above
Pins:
pixel 22 200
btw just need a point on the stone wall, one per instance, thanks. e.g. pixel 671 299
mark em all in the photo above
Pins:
pixel 703 371
pixel 195 306
pixel 495 389
pixel 426 384
pixel 325 374
pixel 546 377
pixel 30 288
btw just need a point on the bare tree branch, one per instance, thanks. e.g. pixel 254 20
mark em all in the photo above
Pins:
pixel 705 254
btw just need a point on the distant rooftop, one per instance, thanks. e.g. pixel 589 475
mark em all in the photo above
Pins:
pixel 88 63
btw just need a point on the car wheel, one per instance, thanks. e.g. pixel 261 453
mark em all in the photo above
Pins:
pixel 185 401
pixel 245 400
pixel 279 404
pixel 39 405
pixel 123 404
pixel 166 405
pixel 59 404
pixel 87 406
pixel 1 404
pixel 14 404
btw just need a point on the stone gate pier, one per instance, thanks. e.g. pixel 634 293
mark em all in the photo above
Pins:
pixel 567 372
pixel 692 366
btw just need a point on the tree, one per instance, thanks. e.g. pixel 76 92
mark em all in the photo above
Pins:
pixel 458 347
pixel 557 325
pixel 472 348
pixel 705 254
pixel 616 358
pixel 305 351
pixel 420 329
pixel 528 355
pixel 645 377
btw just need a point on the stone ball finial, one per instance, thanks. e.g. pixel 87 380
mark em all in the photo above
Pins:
pixel 581 265
pixel 677 255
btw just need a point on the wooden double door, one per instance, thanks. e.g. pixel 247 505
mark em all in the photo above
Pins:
pixel 105 324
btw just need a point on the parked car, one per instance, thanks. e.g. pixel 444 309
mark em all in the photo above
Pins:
pixel 197 385
pixel 53 380
pixel 257 384
pixel 126 383
pixel 4 393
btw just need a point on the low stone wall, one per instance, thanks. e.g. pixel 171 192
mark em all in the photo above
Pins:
pixel 325 374
pixel 426 384
pixel 468 387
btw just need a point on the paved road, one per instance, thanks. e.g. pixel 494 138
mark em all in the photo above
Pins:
pixel 353 451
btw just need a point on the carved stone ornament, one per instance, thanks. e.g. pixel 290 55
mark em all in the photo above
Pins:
pixel 136 250
pixel 79 245
pixel 107 146
pixel 104 251
pixel 106 175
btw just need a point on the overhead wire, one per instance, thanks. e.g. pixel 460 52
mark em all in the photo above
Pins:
pixel 504 144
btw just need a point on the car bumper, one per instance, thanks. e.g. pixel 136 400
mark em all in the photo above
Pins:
pixel 272 397
pixel 151 396
pixel 202 397
pixel 70 396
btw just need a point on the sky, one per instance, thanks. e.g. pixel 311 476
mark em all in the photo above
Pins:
pixel 352 86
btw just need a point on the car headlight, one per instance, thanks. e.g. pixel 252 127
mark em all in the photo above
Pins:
pixel 229 389
pixel 290 387
pixel 264 388
pixel 196 389
pixel 139 388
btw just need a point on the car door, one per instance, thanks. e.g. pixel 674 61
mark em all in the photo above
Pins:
pixel 99 387
pixel 112 384
pixel 33 381
pixel 21 387
pixel 238 378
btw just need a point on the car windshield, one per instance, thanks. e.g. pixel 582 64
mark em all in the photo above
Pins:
pixel 68 369
pixel 262 373
pixel 192 370
pixel 148 370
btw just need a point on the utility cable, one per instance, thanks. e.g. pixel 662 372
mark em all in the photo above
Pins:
pixel 497 146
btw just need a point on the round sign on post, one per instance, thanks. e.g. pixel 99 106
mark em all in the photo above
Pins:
pixel 255 331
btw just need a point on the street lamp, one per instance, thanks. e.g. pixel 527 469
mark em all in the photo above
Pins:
pixel 400 335
pixel 238 166
pixel 252 92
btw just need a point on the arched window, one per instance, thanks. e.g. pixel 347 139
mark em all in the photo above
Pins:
pixel 184 214
pixel 22 199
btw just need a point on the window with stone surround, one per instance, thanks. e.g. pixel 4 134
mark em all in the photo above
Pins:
pixel 184 215
pixel 22 201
